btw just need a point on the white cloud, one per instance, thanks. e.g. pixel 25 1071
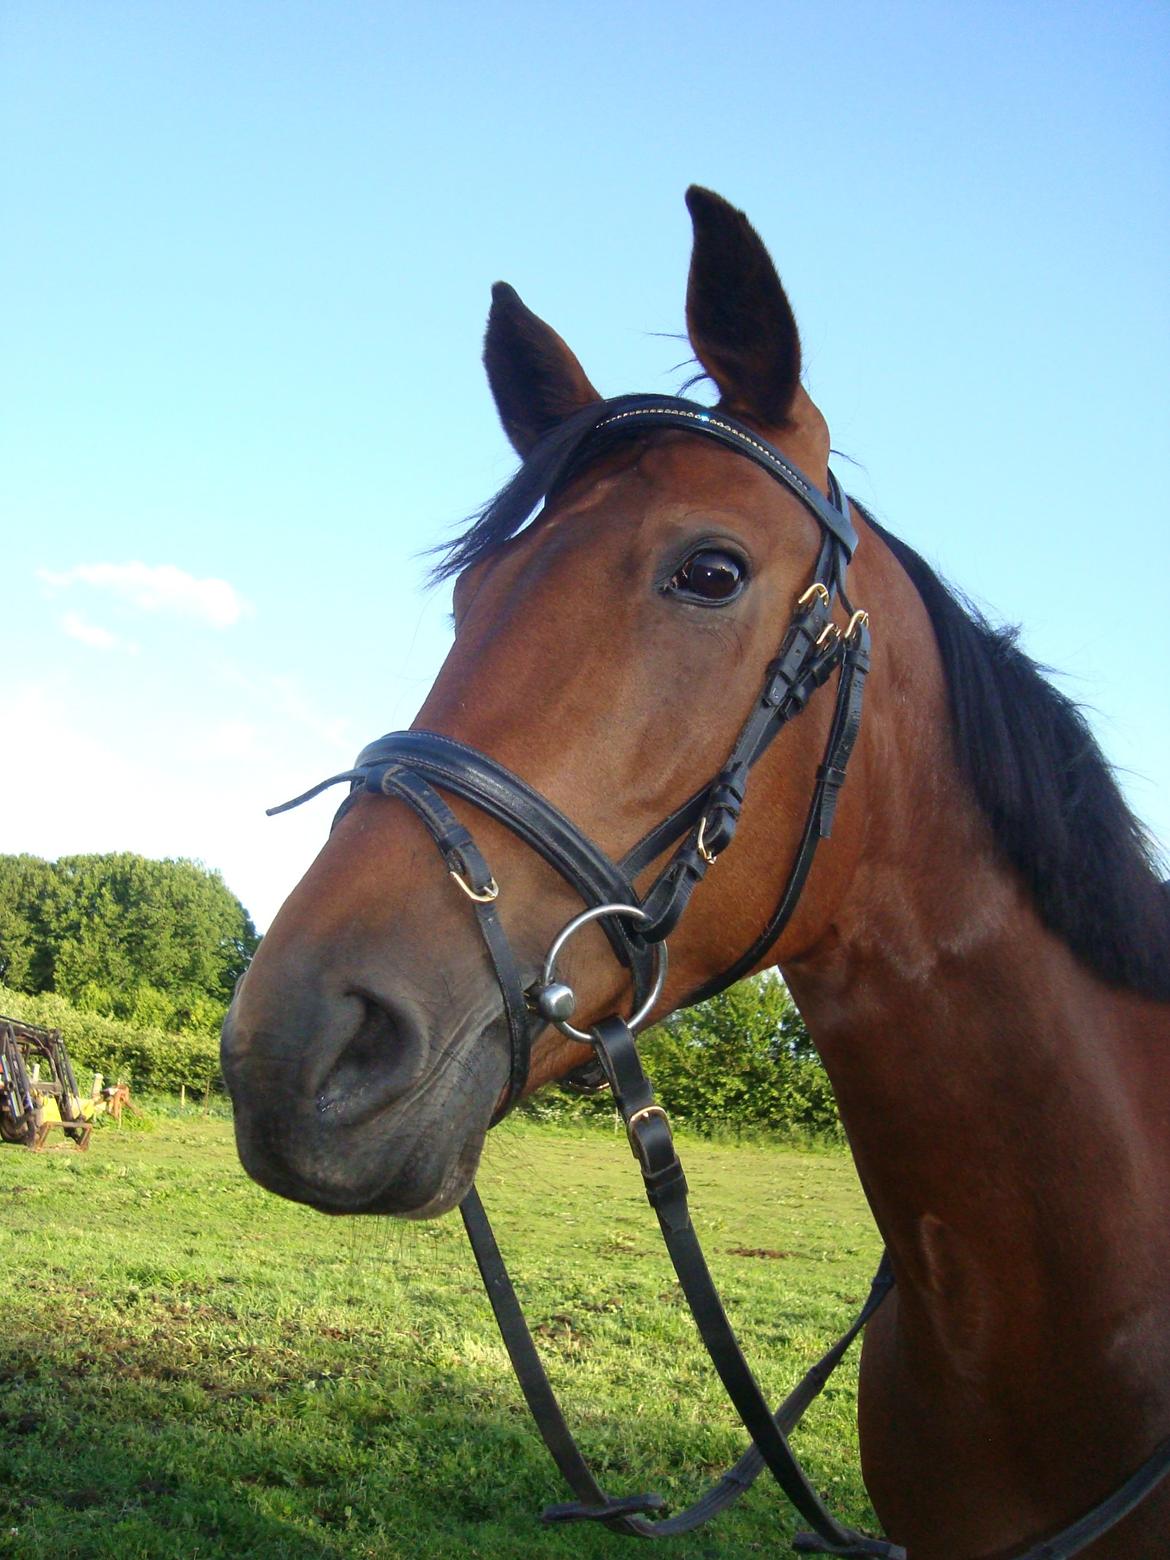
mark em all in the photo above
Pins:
pixel 88 633
pixel 159 588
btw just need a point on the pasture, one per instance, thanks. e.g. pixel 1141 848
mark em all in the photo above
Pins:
pixel 191 1368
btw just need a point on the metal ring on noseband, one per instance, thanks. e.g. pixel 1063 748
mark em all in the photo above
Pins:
pixel 548 974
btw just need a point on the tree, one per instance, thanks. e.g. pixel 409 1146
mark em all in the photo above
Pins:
pixel 162 942
pixel 741 1061
pixel 25 959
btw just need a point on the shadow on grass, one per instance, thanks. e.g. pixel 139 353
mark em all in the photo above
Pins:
pixel 94 1465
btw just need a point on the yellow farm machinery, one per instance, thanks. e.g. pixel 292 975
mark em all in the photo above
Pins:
pixel 38 1089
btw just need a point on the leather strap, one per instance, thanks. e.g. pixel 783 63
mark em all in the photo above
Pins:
pixel 624 1514
pixel 1107 1513
pixel 666 1191
pixel 463 858
pixel 819 818
pixel 645 413
pixel 542 826
pixel 804 664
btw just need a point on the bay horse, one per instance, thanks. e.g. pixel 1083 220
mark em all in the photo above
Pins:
pixel 979 950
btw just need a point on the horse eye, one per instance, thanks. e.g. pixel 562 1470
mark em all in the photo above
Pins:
pixel 709 575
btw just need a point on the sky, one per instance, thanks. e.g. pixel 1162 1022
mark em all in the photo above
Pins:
pixel 246 270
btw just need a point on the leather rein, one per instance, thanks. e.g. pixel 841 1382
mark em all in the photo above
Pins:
pixel 409 765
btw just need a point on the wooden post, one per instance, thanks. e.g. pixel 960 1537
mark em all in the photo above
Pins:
pixel 182 1096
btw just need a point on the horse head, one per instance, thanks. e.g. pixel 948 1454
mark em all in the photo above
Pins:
pixel 607 654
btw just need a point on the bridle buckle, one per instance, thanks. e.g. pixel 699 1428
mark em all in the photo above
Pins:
pixel 642 1115
pixel 709 856
pixel 859 620
pixel 487 897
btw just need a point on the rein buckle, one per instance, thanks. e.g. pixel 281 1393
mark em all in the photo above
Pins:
pixel 640 1116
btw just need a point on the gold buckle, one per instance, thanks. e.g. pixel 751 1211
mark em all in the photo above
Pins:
pixel 492 891
pixel 828 632
pixel 858 620
pixel 816 589
pixel 641 1115
pixel 708 856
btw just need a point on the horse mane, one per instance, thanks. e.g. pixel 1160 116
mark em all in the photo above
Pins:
pixel 1052 799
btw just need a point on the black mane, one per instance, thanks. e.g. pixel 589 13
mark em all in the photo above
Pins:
pixel 1025 748
pixel 1054 805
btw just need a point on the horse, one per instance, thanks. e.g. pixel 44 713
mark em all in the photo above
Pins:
pixel 979 950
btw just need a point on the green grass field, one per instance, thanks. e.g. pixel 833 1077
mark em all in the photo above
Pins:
pixel 190 1367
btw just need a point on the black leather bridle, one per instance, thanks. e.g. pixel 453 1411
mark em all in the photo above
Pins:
pixel 410 765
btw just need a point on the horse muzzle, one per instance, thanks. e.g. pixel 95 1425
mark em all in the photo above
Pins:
pixel 357 1105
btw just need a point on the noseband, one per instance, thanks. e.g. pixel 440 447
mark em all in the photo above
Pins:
pixel 411 764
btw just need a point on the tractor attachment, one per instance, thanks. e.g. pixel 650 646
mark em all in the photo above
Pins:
pixel 38 1090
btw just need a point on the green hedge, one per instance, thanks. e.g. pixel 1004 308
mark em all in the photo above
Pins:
pixel 739 1064
pixel 143 1057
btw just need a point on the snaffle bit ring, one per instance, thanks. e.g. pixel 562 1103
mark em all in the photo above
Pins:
pixel 555 1001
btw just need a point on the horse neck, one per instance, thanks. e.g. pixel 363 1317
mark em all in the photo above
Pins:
pixel 991 1086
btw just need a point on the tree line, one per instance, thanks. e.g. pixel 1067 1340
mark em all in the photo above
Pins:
pixel 159 946
pixel 157 943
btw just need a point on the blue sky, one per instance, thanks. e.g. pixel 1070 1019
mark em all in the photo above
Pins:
pixel 247 268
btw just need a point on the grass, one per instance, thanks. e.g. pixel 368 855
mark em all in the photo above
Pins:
pixel 191 1368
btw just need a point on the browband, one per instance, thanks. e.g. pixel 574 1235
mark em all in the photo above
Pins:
pixel 639 413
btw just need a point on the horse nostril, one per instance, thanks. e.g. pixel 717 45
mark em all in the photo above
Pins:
pixel 380 1062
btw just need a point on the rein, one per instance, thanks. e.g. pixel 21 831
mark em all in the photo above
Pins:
pixel 410 764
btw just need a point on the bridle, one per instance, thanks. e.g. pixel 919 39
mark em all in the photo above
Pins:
pixel 410 765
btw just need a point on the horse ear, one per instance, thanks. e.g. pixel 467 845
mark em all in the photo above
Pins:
pixel 536 380
pixel 739 319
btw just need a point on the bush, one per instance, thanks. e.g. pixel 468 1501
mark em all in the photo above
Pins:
pixel 142 1056
pixel 740 1063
